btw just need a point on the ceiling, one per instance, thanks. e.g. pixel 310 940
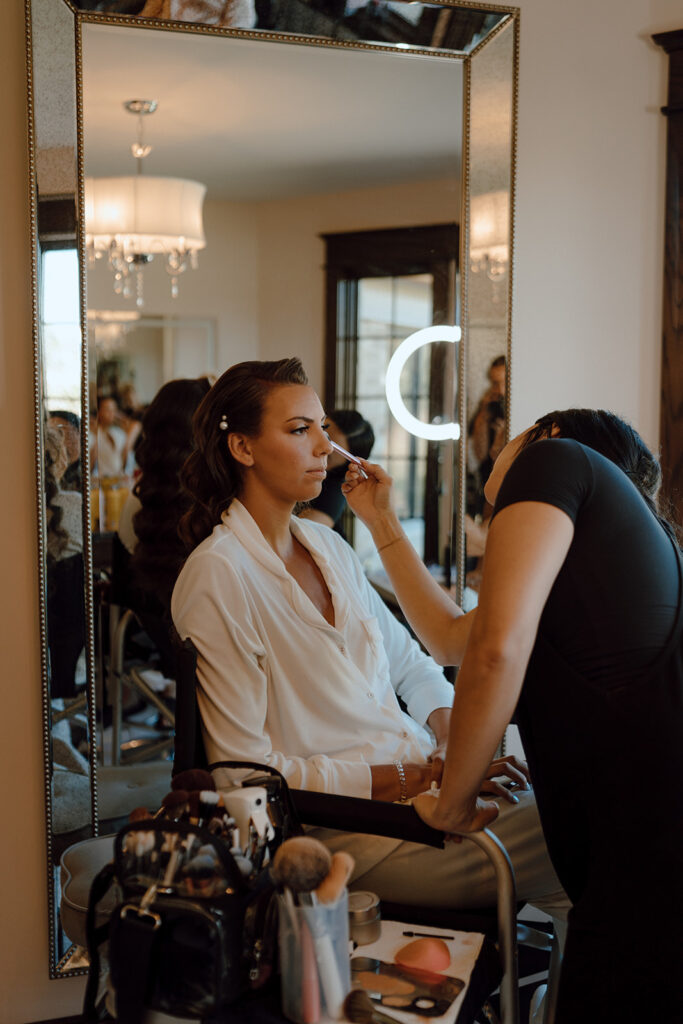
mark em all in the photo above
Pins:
pixel 257 120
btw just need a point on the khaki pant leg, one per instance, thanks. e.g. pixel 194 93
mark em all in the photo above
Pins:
pixel 459 875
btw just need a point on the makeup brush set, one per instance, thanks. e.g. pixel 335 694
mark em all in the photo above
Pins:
pixel 194 925
pixel 313 928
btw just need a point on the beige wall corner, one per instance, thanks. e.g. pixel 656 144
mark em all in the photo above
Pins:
pixel 26 993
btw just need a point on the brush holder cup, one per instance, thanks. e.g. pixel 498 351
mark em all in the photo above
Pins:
pixel 314 958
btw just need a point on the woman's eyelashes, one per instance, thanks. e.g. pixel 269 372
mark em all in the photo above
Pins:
pixel 307 426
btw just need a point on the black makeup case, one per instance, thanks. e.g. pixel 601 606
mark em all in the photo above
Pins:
pixel 189 933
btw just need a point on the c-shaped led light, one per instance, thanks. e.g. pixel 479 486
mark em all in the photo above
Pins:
pixel 430 431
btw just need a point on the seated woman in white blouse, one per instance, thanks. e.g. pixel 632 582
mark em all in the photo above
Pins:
pixel 301 665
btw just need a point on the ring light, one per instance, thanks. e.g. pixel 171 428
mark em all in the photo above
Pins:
pixel 429 431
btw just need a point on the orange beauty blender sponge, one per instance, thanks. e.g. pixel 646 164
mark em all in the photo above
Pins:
pixel 424 955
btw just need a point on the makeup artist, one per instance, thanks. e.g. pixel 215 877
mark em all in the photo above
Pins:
pixel 578 632
pixel 300 663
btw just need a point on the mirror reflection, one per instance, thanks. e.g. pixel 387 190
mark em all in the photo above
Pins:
pixel 386 22
pixel 329 226
pixel 294 183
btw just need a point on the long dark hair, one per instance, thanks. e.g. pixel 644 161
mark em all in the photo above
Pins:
pixel 164 445
pixel 211 476
pixel 613 437
pixel 57 535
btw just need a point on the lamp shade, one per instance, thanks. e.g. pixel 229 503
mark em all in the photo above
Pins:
pixel 490 219
pixel 145 215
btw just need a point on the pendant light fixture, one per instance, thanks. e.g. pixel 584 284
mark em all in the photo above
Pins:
pixel 133 219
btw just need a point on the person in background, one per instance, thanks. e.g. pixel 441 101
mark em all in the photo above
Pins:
pixel 350 430
pixel 65 582
pixel 109 442
pixel 487 426
pixel 301 665
pixel 579 634
pixel 70 426
pixel 486 437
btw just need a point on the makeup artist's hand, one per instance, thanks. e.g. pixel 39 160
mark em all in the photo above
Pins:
pixel 369 499
pixel 470 818
pixel 501 768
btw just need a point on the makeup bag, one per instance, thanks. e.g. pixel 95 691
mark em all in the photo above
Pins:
pixel 190 933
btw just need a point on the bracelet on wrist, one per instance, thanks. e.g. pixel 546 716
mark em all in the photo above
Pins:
pixel 402 782
pixel 389 543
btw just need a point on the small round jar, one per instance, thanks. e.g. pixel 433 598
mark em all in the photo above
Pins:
pixel 365 920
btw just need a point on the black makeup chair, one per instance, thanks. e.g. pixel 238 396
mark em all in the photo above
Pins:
pixel 351 814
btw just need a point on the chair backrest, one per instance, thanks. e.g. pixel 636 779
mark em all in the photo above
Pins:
pixel 189 742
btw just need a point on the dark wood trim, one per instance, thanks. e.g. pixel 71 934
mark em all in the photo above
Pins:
pixel 57 221
pixel 671 414
pixel 366 253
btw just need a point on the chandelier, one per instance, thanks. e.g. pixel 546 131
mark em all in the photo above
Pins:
pixel 490 231
pixel 131 219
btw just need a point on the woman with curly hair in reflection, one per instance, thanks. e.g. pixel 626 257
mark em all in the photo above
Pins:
pixel 148 552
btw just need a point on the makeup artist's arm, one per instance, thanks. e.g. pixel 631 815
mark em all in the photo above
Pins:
pixel 440 624
pixel 527 545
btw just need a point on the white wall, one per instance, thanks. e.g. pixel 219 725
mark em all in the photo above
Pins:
pixel 292 256
pixel 261 276
pixel 587 315
pixel 589 238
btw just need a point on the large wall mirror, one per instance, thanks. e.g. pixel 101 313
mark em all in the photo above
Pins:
pixel 308 124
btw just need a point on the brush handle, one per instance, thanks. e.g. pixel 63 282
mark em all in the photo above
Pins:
pixel 328 972
pixel 310 990
pixel 383 1018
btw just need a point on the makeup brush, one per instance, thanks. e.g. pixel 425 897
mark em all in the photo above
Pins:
pixel 139 814
pixel 209 801
pixel 334 882
pixel 301 863
pixel 349 456
pixel 358 1007
pixel 175 803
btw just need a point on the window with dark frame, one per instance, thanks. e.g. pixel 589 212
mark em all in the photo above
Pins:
pixel 381 286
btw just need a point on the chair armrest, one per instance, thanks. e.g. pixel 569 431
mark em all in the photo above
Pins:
pixel 371 817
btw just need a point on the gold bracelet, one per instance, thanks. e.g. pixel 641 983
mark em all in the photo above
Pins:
pixel 390 542
pixel 403 785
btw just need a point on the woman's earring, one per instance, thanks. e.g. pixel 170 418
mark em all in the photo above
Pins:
pixel 223 425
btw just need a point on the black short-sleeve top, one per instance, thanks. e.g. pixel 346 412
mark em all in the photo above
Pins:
pixel 614 602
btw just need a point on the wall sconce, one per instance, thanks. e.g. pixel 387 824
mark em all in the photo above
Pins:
pixel 489 234
pixel 392 384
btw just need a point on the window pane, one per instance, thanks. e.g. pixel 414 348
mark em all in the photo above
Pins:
pixel 60 287
pixel 375 297
pixel 371 367
pixel 413 302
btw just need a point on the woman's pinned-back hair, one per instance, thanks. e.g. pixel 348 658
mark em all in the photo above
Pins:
pixel 611 436
pixel 234 404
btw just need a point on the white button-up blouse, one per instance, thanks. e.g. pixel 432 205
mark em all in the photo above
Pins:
pixel 278 684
